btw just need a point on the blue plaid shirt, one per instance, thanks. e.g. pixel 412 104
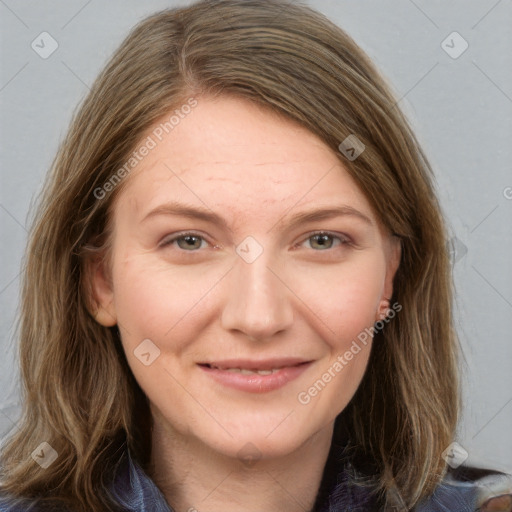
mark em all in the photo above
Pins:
pixel 465 490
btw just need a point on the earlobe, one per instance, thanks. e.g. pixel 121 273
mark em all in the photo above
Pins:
pixel 105 317
pixel 100 296
pixel 383 310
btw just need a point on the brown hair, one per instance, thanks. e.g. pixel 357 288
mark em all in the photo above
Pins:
pixel 79 394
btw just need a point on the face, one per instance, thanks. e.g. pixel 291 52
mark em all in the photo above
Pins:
pixel 252 281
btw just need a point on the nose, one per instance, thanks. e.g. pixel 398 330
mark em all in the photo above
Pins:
pixel 258 299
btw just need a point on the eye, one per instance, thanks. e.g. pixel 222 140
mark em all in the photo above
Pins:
pixel 187 241
pixel 323 240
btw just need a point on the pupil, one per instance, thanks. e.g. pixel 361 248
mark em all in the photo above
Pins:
pixel 322 239
pixel 190 240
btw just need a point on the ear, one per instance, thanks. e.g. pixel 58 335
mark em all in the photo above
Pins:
pixel 100 292
pixel 393 256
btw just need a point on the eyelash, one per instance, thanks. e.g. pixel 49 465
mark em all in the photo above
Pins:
pixel 344 240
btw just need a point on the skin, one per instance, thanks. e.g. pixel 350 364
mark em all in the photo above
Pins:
pixel 204 302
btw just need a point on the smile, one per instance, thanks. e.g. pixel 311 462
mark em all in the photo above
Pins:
pixel 245 371
pixel 255 377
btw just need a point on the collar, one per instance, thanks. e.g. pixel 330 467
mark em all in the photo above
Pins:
pixel 464 490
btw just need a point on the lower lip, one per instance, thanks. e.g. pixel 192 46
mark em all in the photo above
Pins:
pixel 255 383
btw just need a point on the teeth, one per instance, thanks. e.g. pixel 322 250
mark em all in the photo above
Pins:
pixel 245 371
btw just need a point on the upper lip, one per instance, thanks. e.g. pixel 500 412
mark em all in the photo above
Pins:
pixel 250 364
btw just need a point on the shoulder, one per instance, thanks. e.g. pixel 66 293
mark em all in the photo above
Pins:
pixel 470 489
pixel 10 503
pixel 133 488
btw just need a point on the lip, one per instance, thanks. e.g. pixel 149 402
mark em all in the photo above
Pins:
pixel 290 369
pixel 252 364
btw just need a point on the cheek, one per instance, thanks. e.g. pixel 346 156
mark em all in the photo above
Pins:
pixel 342 300
pixel 152 302
pixel 139 298
pixel 344 306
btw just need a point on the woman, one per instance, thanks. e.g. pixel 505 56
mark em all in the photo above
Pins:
pixel 237 294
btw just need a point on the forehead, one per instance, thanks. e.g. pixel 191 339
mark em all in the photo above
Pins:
pixel 229 151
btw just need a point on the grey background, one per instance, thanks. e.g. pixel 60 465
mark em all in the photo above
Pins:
pixel 461 109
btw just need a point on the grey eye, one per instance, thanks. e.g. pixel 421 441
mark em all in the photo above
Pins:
pixel 323 240
pixel 189 242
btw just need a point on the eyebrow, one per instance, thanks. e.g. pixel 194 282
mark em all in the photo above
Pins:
pixel 200 213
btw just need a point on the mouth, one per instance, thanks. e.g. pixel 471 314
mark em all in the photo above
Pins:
pixel 255 376
pixel 246 366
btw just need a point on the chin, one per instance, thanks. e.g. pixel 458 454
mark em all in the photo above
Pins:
pixel 252 441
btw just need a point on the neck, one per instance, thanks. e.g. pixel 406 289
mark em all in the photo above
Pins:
pixel 194 477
